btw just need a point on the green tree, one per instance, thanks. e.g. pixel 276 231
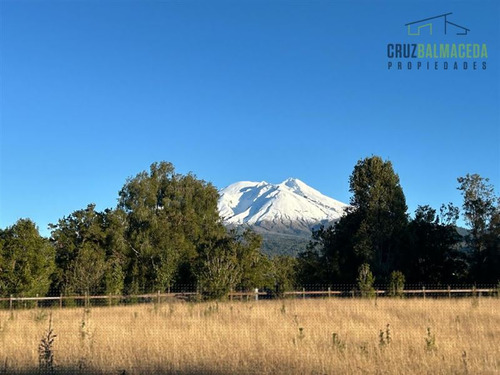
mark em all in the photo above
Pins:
pixel 379 200
pixel 218 270
pixel 396 284
pixel 88 270
pixel 115 226
pixel 3 288
pixel 433 254
pixel 482 214
pixel 366 280
pixel 330 257
pixel 371 231
pixel 26 260
pixel 284 274
pixel 255 267
pixel 232 261
pixel 114 277
pixel 80 243
pixel 169 218
pixel 310 266
pixel 491 263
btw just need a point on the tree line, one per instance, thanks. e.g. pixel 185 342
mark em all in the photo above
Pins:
pixel 377 232
pixel 166 231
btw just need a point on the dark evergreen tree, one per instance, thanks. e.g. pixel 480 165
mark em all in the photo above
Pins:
pixel 372 231
pixel 482 214
pixel 26 260
pixel 310 267
pixel 491 255
pixel 433 255
pixel 330 257
pixel 379 200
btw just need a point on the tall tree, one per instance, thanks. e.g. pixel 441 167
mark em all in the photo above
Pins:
pixel 26 260
pixel 371 231
pixel 115 226
pixel 482 214
pixel 379 198
pixel 79 240
pixel 432 255
pixel 168 217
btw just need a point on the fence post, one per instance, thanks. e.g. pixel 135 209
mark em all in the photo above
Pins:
pixel 109 300
pixel 10 302
pixel 423 291
pixel 60 301
pixel 36 302
pixel 303 293
pixel 329 292
pixel 475 294
pixel 158 297
pixel 231 295
pixel 449 292
pixel 256 294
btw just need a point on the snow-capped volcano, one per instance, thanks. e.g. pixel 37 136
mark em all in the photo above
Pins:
pixel 289 207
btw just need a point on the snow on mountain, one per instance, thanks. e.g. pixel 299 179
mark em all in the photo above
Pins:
pixel 289 207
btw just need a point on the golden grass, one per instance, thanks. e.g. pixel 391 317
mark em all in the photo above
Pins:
pixel 262 338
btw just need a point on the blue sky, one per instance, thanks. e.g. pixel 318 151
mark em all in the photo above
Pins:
pixel 93 92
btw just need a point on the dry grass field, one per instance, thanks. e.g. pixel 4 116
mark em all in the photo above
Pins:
pixel 312 336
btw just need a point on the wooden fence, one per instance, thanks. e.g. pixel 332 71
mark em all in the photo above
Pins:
pixel 254 295
pixel 473 292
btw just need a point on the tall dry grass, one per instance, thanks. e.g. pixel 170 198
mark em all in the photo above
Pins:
pixel 265 337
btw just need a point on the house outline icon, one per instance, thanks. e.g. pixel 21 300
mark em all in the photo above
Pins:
pixel 428 25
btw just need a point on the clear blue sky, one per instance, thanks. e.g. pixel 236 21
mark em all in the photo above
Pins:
pixel 95 91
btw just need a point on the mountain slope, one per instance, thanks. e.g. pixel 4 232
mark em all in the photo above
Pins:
pixel 290 208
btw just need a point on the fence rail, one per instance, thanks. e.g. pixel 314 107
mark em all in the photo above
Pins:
pixel 256 294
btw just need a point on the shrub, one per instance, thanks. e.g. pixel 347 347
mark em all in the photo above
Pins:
pixel 365 281
pixel 396 284
pixel 46 350
pixel 430 341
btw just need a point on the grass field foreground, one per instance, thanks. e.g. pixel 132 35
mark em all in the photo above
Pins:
pixel 312 336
